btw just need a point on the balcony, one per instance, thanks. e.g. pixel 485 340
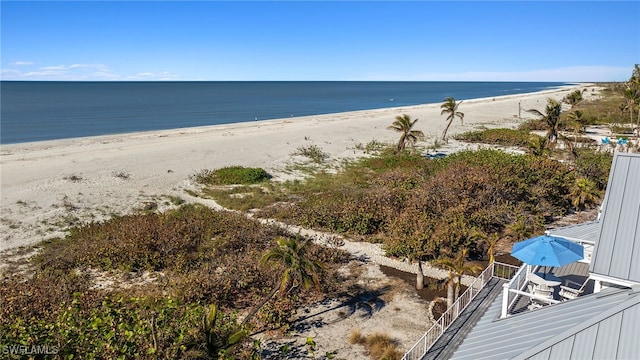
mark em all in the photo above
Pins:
pixel 533 287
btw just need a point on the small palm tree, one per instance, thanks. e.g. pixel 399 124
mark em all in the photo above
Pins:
pixel 299 271
pixel 584 193
pixel 222 333
pixel 457 268
pixel 573 98
pixel 551 117
pixel 519 230
pixel 450 107
pixel 538 145
pixel 404 125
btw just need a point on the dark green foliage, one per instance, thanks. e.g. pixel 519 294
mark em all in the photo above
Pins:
pixel 116 327
pixel 505 137
pixel 232 175
pixel 594 165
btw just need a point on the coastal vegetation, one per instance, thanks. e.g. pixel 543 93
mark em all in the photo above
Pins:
pixel 141 286
pixel 231 175
pixel 504 137
pixel 195 283
pixel 313 152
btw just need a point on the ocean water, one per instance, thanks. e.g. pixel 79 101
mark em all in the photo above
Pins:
pixel 35 111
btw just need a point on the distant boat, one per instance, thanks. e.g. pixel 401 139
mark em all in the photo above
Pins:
pixel 390 99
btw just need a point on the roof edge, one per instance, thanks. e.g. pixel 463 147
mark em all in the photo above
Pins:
pixel 633 293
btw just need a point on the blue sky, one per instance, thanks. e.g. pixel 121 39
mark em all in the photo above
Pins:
pixel 331 40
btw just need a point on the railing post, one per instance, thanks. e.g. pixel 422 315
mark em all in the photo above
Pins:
pixel 505 300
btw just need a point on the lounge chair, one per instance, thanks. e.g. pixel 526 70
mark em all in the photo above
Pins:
pixel 571 289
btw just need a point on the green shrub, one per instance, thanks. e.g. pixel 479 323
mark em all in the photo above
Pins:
pixel 594 165
pixel 231 175
pixel 533 125
pixel 505 137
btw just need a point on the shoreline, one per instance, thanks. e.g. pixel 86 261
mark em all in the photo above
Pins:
pixel 47 185
pixel 204 128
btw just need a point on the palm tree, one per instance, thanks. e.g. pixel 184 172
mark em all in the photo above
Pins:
pixel 519 230
pixel 492 240
pixel 299 271
pixel 573 98
pixel 578 124
pixel 583 193
pixel 457 268
pixel 538 145
pixel 551 117
pixel 450 107
pixel 221 332
pixel 449 265
pixel 404 125
pixel 632 95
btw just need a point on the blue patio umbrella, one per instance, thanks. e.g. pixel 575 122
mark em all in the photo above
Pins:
pixel 547 250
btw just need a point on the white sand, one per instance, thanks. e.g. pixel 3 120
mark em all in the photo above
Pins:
pixel 48 185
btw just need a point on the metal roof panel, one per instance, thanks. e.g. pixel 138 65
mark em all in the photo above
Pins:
pixel 618 240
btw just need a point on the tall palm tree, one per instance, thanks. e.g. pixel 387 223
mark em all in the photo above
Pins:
pixel 632 95
pixel 551 117
pixel 578 124
pixel 450 107
pixel 404 125
pixel 492 241
pixel 298 270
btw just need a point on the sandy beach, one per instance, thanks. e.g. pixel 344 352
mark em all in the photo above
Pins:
pixel 48 186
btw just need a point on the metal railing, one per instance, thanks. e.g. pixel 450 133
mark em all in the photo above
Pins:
pixel 518 282
pixel 442 324
pixel 504 271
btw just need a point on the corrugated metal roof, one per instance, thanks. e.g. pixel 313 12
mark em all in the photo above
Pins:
pixel 586 231
pixel 542 333
pixel 617 249
pixel 611 334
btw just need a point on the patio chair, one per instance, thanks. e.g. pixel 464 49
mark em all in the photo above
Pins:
pixel 571 289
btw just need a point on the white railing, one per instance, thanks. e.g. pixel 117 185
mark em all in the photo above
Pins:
pixel 518 283
pixel 442 324
pixel 504 271
pixel 588 249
